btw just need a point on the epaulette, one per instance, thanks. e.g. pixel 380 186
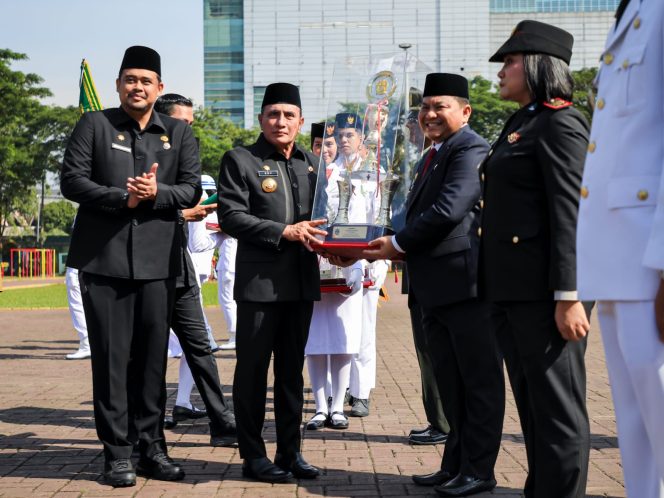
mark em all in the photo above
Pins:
pixel 557 103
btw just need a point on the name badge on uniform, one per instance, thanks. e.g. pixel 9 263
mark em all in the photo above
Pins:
pixel 272 172
pixel 120 147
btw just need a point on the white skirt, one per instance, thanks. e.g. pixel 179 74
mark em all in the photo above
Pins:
pixel 336 325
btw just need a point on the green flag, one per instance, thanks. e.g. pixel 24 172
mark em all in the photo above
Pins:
pixel 88 99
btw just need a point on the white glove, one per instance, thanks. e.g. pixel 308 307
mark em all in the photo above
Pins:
pixel 377 273
pixel 354 281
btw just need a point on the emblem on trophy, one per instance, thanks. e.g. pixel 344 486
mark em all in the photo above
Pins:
pixel 356 189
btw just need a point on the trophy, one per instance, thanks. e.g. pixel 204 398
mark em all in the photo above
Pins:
pixel 357 191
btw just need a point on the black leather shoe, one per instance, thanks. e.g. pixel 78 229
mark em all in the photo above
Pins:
pixel 297 465
pixel 159 466
pixel 338 423
pixel 432 436
pixel 465 485
pixel 119 473
pixel 169 423
pixel 262 469
pixel 180 413
pixel 223 441
pixel 434 479
pixel 317 423
pixel 224 436
pixel 420 431
pixel 360 408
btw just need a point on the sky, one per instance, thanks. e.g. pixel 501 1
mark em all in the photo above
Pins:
pixel 57 34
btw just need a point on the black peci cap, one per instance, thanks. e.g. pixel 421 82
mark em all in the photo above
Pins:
pixel 348 120
pixel 138 57
pixel 450 84
pixel 534 37
pixel 317 130
pixel 281 93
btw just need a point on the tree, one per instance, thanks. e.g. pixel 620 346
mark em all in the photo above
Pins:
pixel 584 91
pixel 489 111
pixel 216 135
pixel 19 101
pixel 58 215
pixel 32 137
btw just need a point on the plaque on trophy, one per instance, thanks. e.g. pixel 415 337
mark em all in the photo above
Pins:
pixel 361 187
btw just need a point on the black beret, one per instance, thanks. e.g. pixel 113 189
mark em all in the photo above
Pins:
pixel 348 120
pixel 281 93
pixel 317 130
pixel 138 57
pixel 450 84
pixel 534 37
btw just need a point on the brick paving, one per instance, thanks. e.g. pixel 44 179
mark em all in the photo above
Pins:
pixel 48 445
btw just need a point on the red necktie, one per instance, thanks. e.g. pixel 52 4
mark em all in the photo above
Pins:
pixel 427 161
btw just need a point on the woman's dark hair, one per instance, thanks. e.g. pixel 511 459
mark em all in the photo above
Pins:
pixel 548 77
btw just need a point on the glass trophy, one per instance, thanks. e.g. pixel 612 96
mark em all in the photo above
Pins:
pixel 362 187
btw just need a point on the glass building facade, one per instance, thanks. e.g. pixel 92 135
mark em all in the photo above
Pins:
pixel 512 6
pixel 224 57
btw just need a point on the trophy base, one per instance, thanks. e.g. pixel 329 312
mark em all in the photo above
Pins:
pixel 339 285
pixel 350 240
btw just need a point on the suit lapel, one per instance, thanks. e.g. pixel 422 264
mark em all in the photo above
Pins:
pixel 438 161
pixel 420 180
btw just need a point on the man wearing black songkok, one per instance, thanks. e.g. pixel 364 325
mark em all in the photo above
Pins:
pixel 130 170
pixel 266 194
pixel 440 244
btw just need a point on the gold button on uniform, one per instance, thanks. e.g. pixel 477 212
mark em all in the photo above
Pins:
pixel 600 104
pixel 625 64
pixel 608 58
pixel 515 240
pixel 481 204
pixel 591 147
pixel 584 192
pixel 642 195
pixel 479 231
pixel 637 23
pixel 481 177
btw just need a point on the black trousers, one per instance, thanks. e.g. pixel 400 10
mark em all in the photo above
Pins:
pixel 262 329
pixel 128 330
pixel 188 324
pixel 469 374
pixel 548 378
pixel 433 405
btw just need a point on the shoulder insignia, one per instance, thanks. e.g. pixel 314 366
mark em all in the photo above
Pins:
pixel 557 103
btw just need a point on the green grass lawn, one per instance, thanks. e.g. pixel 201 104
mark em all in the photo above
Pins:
pixel 55 296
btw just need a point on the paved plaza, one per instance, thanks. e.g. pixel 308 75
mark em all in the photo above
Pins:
pixel 48 444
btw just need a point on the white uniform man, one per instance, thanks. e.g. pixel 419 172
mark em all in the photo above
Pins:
pixel 201 244
pixel 77 315
pixel 363 208
pixel 226 280
pixel 620 235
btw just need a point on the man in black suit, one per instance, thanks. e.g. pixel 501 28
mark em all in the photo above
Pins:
pixel 266 192
pixel 130 170
pixel 188 319
pixel 440 244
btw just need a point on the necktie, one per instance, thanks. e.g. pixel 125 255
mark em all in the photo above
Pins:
pixel 621 10
pixel 427 161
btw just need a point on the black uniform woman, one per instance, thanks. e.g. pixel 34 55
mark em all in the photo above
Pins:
pixel 531 180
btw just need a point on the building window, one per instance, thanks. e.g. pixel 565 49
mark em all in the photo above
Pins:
pixel 259 93
pixel 513 6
